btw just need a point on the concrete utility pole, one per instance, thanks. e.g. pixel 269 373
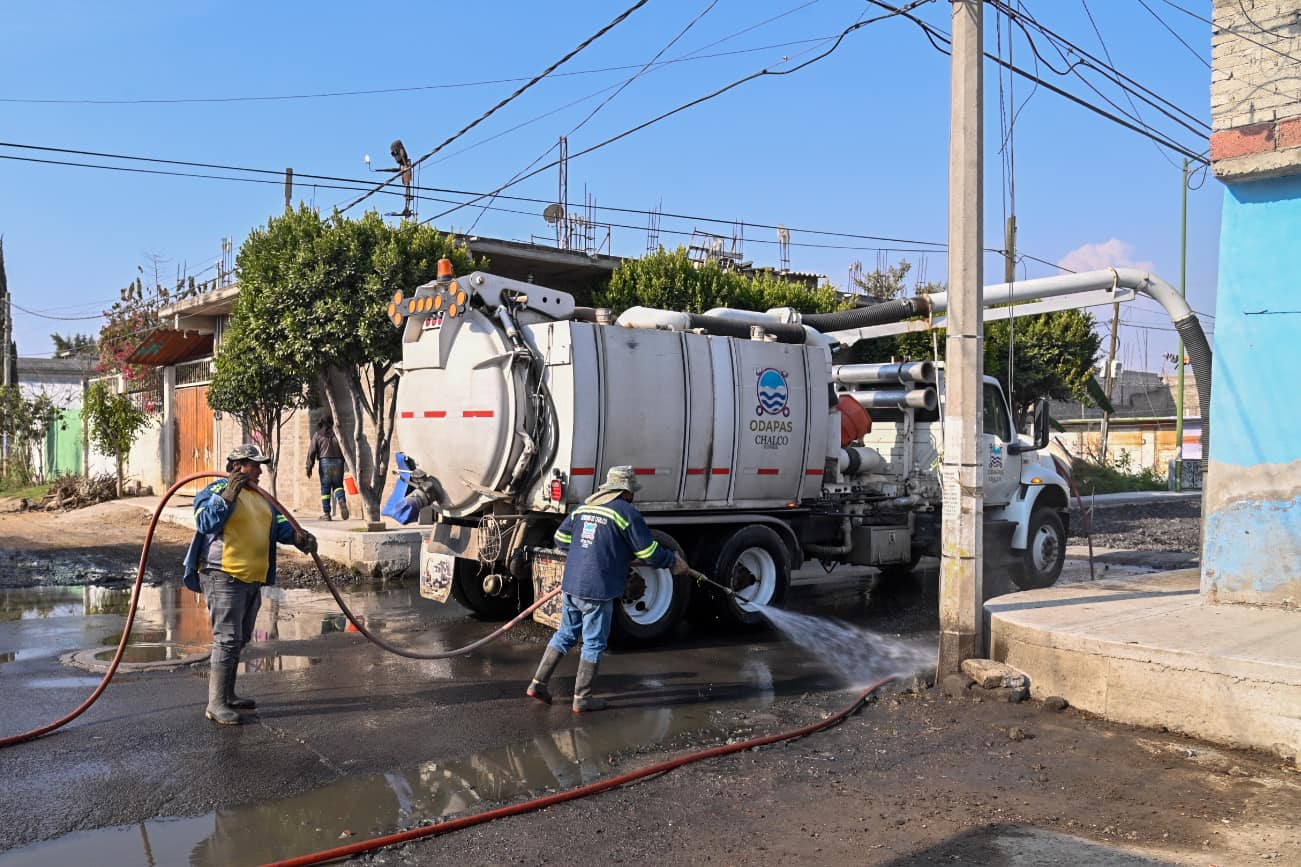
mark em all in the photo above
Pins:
pixel 289 189
pixel 961 581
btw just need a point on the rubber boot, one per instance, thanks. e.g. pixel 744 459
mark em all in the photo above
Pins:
pixel 218 688
pixel 343 509
pixel 538 688
pixel 583 700
pixel 233 700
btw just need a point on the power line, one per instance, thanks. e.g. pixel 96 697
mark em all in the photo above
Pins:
pixel 1193 51
pixel 933 34
pixel 691 104
pixel 409 89
pixel 615 22
pixel 339 183
pixel 18 306
pixel 618 90
pixel 1236 32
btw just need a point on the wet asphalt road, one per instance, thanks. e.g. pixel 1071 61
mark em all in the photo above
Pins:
pixel 347 739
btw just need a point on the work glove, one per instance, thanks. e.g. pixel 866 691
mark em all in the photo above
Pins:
pixel 305 541
pixel 235 483
pixel 680 566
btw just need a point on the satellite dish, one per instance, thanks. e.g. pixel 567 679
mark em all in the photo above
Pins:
pixel 553 213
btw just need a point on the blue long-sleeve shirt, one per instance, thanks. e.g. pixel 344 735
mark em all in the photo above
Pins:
pixel 211 514
pixel 602 541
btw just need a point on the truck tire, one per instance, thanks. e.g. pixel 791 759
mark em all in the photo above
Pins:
pixel 754 560
pixel 467 589
pixel 1040 564
pixel 653 603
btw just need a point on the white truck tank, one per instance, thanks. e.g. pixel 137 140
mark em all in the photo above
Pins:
pixel 707 422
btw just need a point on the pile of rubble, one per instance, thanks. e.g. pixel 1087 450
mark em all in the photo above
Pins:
pixel 75 492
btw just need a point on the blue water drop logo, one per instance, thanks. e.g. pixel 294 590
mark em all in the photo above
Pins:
pixel 773 393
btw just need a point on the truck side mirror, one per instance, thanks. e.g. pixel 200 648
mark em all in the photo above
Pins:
pixel 1040 422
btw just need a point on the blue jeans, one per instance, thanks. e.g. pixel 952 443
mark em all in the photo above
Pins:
pixel 331 472
pixel 233 606
pixel 590 618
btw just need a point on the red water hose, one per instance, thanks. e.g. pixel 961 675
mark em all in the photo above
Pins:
pixel 579 792
pixel 338 598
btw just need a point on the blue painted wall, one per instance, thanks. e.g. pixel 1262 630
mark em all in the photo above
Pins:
pixel 1253 499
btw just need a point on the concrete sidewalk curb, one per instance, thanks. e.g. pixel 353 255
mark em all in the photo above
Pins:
pixel 1146 650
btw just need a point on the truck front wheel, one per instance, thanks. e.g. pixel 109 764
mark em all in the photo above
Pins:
pixel 1040 564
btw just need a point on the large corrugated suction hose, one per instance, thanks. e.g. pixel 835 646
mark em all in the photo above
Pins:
pixel 320 565
pixel 1199 355
pixel 862 317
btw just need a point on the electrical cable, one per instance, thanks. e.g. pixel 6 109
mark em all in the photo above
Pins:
pixel 618 90
pixel 584 791
pixel 360 626
pixel 691 104
pixel 361 183
pixel 934 34
pixel 413 88
pixel 1107 53
pixel 1193 51
pixel 615 22
pixel 18 306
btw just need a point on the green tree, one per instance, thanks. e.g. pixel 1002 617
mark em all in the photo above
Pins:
pixel 114 421
pixel 249 384
pixel 1053 354
pixel 72 345
pixel 669 280
pixel 25 422
pixel 313 298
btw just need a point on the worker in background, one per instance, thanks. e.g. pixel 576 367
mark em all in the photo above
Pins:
pixel 602 537
pixel 232 556
pixel 327 451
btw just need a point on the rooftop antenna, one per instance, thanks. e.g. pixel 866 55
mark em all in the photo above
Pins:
pixel 784 246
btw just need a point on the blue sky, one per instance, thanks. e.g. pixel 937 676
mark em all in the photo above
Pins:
pixel 855 143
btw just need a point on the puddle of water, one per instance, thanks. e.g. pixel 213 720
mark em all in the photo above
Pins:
pixel 373 805
pixel 277 662
pixel 146 652
pixel 172 622
pixel 81 683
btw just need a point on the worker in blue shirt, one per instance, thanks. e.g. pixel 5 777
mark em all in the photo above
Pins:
pixel 601 537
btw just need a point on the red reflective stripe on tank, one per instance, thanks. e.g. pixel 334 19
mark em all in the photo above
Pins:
pixel 583 471
pixel 720 471
pixel 477 413
pixel 695 471
pixel 768 471
pixel 408 414
pixel 813 472
pixel 644 471
pixel 435 413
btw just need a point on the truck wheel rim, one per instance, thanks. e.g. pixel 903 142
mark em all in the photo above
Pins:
pixel 1045 550
pixel 655 600
pixel 760 564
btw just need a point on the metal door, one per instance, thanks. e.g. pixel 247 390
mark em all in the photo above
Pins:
pixel 194 436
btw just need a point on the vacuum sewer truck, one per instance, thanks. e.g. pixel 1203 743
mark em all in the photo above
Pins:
pixel 754 451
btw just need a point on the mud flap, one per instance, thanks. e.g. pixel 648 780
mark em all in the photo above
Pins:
pixel 548 572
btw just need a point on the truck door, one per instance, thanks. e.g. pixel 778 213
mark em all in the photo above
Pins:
pixel 1002 470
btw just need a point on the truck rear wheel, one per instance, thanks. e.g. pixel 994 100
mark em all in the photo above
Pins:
pixel 1040 564
pixel 653 603
pixel 754 562
pixel 467 589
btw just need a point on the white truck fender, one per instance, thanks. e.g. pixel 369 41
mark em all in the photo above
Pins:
pixel 1040 482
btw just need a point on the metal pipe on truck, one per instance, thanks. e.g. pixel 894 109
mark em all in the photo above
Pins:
pixel 871 374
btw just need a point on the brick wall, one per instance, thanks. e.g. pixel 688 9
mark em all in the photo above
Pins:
pixel 1255 100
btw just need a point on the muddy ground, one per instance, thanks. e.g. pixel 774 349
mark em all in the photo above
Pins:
pixel 1171 525
pixel 101 545
pixel 917 777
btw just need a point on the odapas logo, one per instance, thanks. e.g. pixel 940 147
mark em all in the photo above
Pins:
pixel 773 392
